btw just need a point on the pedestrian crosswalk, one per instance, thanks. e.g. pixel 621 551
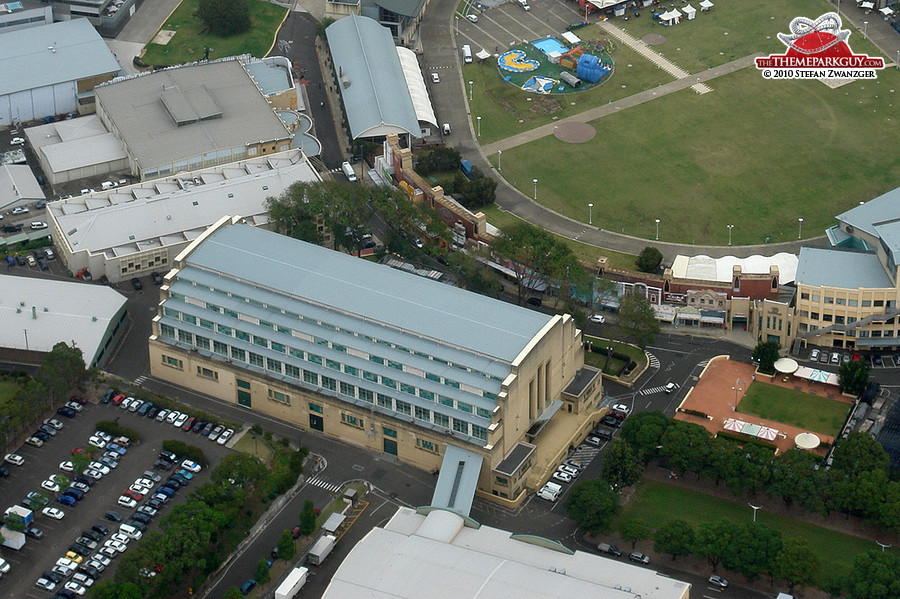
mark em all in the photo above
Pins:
pixel 323 484
pixel 652 390
pixel 584 454
pixel 140 380
pixel 654 361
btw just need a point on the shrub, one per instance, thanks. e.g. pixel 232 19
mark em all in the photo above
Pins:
pixel 117 430
pixel 185 451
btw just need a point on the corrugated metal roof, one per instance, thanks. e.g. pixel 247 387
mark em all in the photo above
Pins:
pixel 49 54
pixel 418 93
pixel 63 311
pixel 377 98
pixel 17 184
pixel 836 268
pixel 153 138
pixel 384 295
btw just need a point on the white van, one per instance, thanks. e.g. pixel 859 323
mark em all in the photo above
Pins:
pixel 131 531
pixel 524 5
pixel 467 54
pixel 348 171
pixel 550 492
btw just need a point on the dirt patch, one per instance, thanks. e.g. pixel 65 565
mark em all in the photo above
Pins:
pixel 574 133
pixel 163 37
pixel 545 105
pixel 654 39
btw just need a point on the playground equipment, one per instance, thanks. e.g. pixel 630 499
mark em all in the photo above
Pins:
pixel 590 68
pixel 515 61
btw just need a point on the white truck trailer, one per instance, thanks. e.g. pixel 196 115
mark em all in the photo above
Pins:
pixel 292 584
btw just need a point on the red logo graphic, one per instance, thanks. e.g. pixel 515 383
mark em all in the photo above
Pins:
pixel 818 49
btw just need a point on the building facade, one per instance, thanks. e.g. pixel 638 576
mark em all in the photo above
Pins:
pixel 380 358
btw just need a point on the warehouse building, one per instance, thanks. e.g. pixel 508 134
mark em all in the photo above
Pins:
pixel 389 361
pixel 52 70
pixel 131 231
pixel 36 314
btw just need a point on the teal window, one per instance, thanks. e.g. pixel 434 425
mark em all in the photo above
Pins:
pixel 483 413
pixel 320 341
pixel 260 341
pixel 185 337
pixel 348 390
pixel 404 407
pixel 450 383
pixel 255 359
pixel 489 395
pixel 167 330
pixel 314 407
pixel 273 365
pixel 282 329
pixel 278 347
pixel 213 307
pixel 370 376
pixel 389 432
pixel 314 358
pixel 479 432
pixel 426 394
pixel 223 330
pixel 242 335
pixel 201 342
pixel 332 364
pixel 207 324
pixel 188 318
pixel 292 371
pixel 311 377
pixel 388 382
pixel 230 313
pixel 238 354
pixel 396 365
pixel 445 401
pixel 338 347
pixel 351 370
pixel 407 388
pixel 242 384
pixel 366 395
pixel 171 313
pixel 266 324
pixel 376 359
pixel 461 426
pixel 432 377
pixel 385 401
pixel 442 420
pixel 465 407
pixel 329 383
pixel 220 348
pixel 423 414
pixel 297 353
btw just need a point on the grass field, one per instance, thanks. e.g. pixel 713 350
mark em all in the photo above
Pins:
pixel 582 251
pixel 754 153
pixel 189 42
pixel 810 412
pixel 599 360
pixel 257 447
pixel 8 391
pixel 729 31
pixel 506 109
pixel 657 504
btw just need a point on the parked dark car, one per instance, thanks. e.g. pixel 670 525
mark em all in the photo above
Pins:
pixel 92 534
pixel 152 412
pixel 168 456
pixel 142 518
pixel 80 549
pixel 67 412
pixel 4 471
pixel 99 528
pixel 43 264
pixel 34 533
pixel 208 428
pixel 113 516
pixel 136 283
pixel 41 435
pixel 198 426
pixel 137 524
pixel 188 424
pixel 84 478
pixel 157 278
pixel 107 397
pixel 50 575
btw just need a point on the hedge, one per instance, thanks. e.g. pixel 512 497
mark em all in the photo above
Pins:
pixel 185 451
pixel 745 440
pixel 117 430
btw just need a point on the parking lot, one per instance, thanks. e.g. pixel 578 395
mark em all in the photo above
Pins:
pixel 39 555
pixel 509 24
pixel 834 357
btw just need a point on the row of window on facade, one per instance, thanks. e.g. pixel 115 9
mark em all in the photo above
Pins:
pixel 334 364
pixel 853 303
pixel 306 319
pixel 347 390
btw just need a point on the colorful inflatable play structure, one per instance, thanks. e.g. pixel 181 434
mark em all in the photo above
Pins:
pixel 540 84
pixel 590 68
pixel 515 61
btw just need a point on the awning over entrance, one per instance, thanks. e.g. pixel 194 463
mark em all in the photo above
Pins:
pixel 543 419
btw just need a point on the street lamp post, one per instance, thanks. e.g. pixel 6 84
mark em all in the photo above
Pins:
pixel 535 188
pixel 457 25
pixel 730 227
pixel 657 229
pixel 499 154
pixel 882 545
pixel 590 214
pixel 755 507
pixel 478 118
pixel 865 29
pixel 470 90
pixel 800 228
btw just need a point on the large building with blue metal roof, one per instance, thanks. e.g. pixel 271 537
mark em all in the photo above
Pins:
pixel 847 294
pixel 52 70
pixel 378 357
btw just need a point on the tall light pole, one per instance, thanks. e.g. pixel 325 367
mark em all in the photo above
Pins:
pixel 730 227
pixel 865 29
pixel 457 25
pixel 755 507
pixel 657 229
pixel 800 228
pixel 470 90
pixel 499 154
pixel 590 214
pixel 535 188
pixel 882 545
pixel 478 118
pixel 898 59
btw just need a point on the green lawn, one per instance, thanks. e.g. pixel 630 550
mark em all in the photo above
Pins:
pixel 189 42
pixel 587 253
pixel 754 153
pixel 255 446
pixel 658 503
pixel 599 360
pixel 8 390
pixel 810 412
pixel 506 109
pixel 729 31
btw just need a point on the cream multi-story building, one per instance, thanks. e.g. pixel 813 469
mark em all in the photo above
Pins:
pixel 847 295
pixel 381 358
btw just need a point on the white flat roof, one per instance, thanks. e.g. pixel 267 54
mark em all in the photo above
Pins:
pixel 720 270
pixel 75 143
pixel 435 556
pixel 48 312
pixel 17 184
pixel 176 209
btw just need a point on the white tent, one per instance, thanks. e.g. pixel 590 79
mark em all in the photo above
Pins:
pixel 886 11
pixel 690 11
pixel 670 17
pixel 866 5
pixel 706 5
pixel 571 37
pixel 677 14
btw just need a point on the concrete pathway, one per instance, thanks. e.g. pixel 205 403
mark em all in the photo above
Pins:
pixel 629 102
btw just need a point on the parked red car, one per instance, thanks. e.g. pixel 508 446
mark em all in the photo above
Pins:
pixel 78 399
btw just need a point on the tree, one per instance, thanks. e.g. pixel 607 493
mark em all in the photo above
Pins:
pixel 875 575
pixel 795 564
pixel 62 368
pixel 649 260
pixel 752 549
pixel 605 290
pixel 474 275
pixel 644 432
pixel 262 575
pixel 308 519
pixel 537 257
pixel 853 376
pixel 685 446
pixel 233 593
pixel 109 589
pixel 676 538
pixel 859 452
pixel 286 548
pixel 766 353
pixel 592 504
pixel 225 17
pixel 622 465
pixel 634 530
pixel 441 159
pixel 713 540
pixel 637 321
pixel 241 468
